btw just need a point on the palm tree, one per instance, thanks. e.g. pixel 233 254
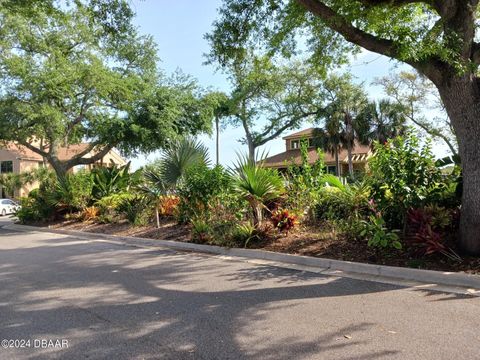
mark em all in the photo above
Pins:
pixel 346 100
pixel 257 184
pixel 331 139
pixel 164 174
pixel 382 120
pixel 154 188
pixel 179 157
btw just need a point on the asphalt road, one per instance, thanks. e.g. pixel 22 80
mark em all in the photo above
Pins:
pixel 109 301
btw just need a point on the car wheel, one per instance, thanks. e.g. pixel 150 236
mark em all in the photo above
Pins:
pixel 4 212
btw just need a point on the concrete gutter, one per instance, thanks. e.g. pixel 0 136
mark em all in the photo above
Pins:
pixel 376 271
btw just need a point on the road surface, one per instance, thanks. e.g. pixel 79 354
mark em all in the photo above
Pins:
pixel 84 299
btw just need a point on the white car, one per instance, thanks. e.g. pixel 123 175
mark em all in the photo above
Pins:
pixel 8 206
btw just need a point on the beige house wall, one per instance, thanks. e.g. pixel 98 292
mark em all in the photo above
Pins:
pixel 23 164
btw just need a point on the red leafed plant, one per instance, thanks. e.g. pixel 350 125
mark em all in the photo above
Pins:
pixel 422 234
pixel 283 220
pixel 168 204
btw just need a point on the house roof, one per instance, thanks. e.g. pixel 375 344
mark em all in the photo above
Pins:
pixel 360 154
pixel 64 153
pixel 299 134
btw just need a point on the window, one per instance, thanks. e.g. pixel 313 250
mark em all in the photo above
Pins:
pixel 6 167
pixel 332 169
pixel 310 142
pixel 295 144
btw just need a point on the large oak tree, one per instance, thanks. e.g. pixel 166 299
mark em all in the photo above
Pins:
pixel 79 71
pixel 436 37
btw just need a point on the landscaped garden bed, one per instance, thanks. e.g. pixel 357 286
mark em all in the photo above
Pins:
pixel 306 240
pixel 404 212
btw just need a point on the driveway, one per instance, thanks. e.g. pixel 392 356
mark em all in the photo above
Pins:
pixel 87 299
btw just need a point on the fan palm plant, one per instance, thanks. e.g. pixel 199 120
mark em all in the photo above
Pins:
pixel 154 188
pixel 180 156
pixel 256 184
pixel 383 120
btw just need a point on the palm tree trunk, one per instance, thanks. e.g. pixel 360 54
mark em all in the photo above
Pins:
pixel 217 140
pixel 337 162
pixel 157 215
pixel 350 160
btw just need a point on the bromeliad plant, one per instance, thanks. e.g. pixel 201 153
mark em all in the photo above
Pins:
pixel 257 185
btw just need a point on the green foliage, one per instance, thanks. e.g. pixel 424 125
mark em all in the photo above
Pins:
pixel 303 182
pixel 200 189
pixel 201 230
pixel 135 209
pixel 110 180
pixel 12 182
pixel 244 233
pixel 72 192
pixel 80 70
pixel 257 185
pixel 342 203
pixel 378 234
pixel 280 96
pixel 403 175
pixel 381 121
pixel 32 210
pixel 178 158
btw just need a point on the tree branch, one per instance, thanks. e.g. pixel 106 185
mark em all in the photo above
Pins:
pixel 86 161
pixel 33 148
pixel 394 2
pixel 351 33
pixel 431 67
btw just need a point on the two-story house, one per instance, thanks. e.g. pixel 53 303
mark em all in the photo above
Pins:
pixel 18 159
pixel 292 155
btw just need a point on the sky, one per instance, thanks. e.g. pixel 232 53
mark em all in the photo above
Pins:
pixel 178 28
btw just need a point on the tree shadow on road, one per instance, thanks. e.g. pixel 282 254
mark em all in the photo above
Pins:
pixel 119 302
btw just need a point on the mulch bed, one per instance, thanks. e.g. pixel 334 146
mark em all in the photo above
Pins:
pixel 311 240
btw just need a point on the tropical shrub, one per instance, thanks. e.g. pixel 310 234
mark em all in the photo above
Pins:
pixel 135 209
pixel 201 230
pixel 73 192
pixel 341 202
pixel 303 182
pixel 200 189
pixel 257 185
pixel 179 158
pixel 426 231
pixel 90 213
pixel 168 205
pixel 110 180
pixel 403 175
pixel 379 235
pixel 284 220
pixel 243 234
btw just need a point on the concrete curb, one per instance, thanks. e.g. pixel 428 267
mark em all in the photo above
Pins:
pixel 422 276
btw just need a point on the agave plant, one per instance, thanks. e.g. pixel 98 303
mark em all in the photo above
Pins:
pixel 257 184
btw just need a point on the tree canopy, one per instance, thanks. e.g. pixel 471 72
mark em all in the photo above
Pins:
pixel 81 72
pixel 277 96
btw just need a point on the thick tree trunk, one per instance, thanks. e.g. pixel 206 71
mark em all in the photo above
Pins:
pixel 58 167
pixel 461 97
